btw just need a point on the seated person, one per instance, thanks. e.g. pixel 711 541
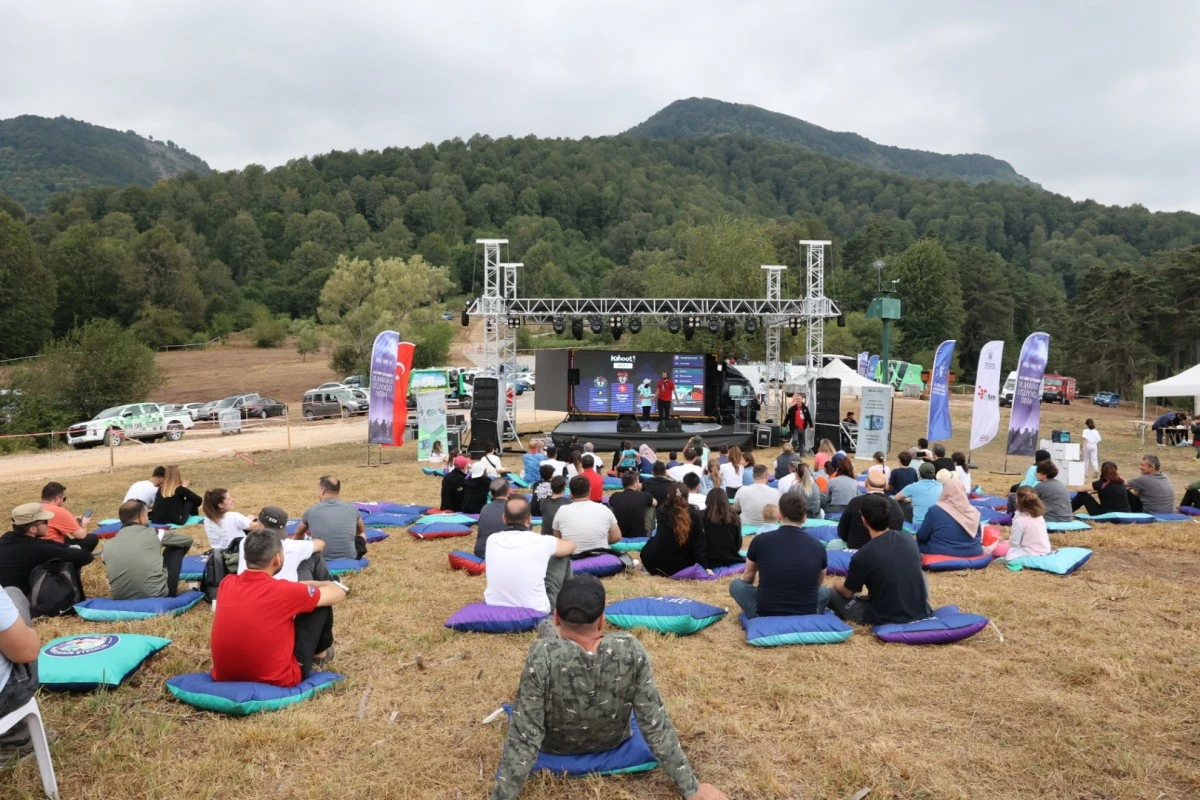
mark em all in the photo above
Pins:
pixel 556 500
pixel 1191 497
pixel 691 463
pixel 923 494
pixel 224 526
pixel 940 460
pixel 491 516
pixel 850 528
pixel 1151 492
pixel 557 467
pixel 302 559
pixel 270 631
pixel 1029 536
pixel 783 462
pixel 335 522
pixel 453 484
pixel 695 490
pixel 489 465
pixel 578 691
pixel 843 487
pixel 595 481
pixel 952 527
pixel 174 503
pixel 771 517
pixel 672 459
pixel 19 648
pixel 1111 489
pixel 889 566
pixel 658 484
pixel 64 527
pixel 541 489
pixel 140 561
pixel 751 499
pixel 647 458
pixel 789 565
pixel 902 475
pixel 678 542
pixel 590 525
pixel 1030 478
pixel 532 462
pixel 626 458
pixel 722 531
pixel 146 490
pixel 1053 493
pixel 633 508
pixel 27 546
pixel 518 561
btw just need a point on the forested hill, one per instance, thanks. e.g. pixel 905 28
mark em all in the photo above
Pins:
pixel 700 116
pixel 41 156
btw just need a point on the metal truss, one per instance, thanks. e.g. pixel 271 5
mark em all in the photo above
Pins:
pixel 657 311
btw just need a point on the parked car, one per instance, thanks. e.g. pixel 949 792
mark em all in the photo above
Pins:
pixel 447 315
pixel 361 396
pixel 354 381
pixel 264 407
pixel 334 385
pixel 525 383
pixel 330 403
pixel 238 402
pixel 142 421
pixel 1108 399
pixel 191 409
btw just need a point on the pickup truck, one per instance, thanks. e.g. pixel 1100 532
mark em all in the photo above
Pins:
pixel 143 421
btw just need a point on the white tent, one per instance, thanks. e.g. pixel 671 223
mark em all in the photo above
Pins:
pixel 852 382
pixel 1185 384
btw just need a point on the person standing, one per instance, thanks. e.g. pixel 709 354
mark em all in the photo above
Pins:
pixel 1159 425
pixel 646 394
pixel 666 393
pixel 1091 448
pixel 801 422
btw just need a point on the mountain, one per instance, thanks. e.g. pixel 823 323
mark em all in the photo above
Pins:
pixel 701 116
pixel 41 156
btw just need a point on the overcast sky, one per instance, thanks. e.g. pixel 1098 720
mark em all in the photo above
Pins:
pixel 1093 100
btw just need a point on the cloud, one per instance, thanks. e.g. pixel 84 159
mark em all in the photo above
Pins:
pixel 1089 100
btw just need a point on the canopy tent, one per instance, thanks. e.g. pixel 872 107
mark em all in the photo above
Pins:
pixel 1185 384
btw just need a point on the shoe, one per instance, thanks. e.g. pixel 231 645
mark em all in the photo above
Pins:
pixel 325 659
pixel 21 747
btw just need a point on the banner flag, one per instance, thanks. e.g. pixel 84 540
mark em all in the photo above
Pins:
pixel 939 426
pixel 985 417
pixel 873 370
pixel 863 360
pixel 874 420
pixel 383 389
pixel 404 359
pixel 1027 397
pixel 431 421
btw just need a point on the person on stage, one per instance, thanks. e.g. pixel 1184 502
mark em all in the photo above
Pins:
pixel 666 393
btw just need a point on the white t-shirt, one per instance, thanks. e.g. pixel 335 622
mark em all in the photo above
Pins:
pixel 752 499
pixel 731 476
pixel 676 473
pixel 294 551
pixel 586 524
pixel 786 483
pixel 142 490
pixel 698 500
pixel 488 465
pixel 437 459
pixel 8 618
pixel 964 478
pixel 1091 437
pixel 556 465
pixel 516 569
pixel 231 526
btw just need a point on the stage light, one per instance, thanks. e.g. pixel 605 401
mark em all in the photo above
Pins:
pixel 794 324
pixel 577 328
pixel 841 320
pixel 751 324
pixel 730 329
pixel 514 322
pixel 466 318
pixel 615 325
pixel 560 325
pixel 597 325
pixel 674 324
pixel 688 332
pixel 635 324
pixel 714 325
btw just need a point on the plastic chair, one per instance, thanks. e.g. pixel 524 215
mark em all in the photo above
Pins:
pixel 37 733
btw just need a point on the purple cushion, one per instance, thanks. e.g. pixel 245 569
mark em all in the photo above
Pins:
pixel 438 530
pixel 947 624
pixel 1190 511
pixel 482 618
pixel 696 572
pixel 601 566
pixel 994 517
pixel 941 563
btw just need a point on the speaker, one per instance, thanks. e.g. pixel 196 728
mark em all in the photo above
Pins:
pixel 485 415
pixel 833 433
pixel 766 436
pixel 1060 437
pixel 573 376
pixel 627 423
pixel 672 425
pixel 829 402
pixel 454 437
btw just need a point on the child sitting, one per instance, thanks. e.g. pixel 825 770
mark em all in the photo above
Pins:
pixel 771 518
pixel 1029 536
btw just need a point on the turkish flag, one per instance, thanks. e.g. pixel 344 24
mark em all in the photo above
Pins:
pixel 404 359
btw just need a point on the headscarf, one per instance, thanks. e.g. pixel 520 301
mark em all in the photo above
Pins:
pixel 645 452
pixel 955 503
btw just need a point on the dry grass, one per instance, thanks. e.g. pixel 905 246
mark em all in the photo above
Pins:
pixel 1092 693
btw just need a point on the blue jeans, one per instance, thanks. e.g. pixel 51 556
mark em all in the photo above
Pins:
pixel 746 596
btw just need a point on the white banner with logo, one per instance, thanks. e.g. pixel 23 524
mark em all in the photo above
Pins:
pixel 431 422
pixel 985 417
pixel 874 420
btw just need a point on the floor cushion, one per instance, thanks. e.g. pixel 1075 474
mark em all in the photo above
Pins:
pixel 437 472
pixel 990 501
pixel 988 515
pixel 194 519
pixel 340 566
pixel 612 483
pixel 1189 511
pixel 407 509
pixel 1073 525
pixel 105 609
pixel 107 528
pixel 838 561
pixel 438 530
pixel 601 566
pixel 632 755
pixel 482 618
pixel 947 625
pixel 90 661
pixel 519 482
pixel 819 522
pixel 678 615
pixel 453 517
pixel 696 572
pixel 374 535
pixel 1063 561
pixel 467 562
pixel 1119 517
pixel 193 568
pixel 940 563
pixel 1172 517
pixel 383 519
pixel 824 535
pixel 799 629
pixel 632 544
pixel 750 530
pixel 242 698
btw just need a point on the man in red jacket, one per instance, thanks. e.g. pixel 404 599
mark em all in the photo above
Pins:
pixel 666 393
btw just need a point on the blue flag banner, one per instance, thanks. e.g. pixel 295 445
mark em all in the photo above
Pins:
pixel 1027 397
pixel 873 370
pixel 863 360
pixel 940 426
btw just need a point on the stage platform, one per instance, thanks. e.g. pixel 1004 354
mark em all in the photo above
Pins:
pixel 603 435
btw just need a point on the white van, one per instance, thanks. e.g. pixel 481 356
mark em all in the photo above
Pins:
pixel 1010 388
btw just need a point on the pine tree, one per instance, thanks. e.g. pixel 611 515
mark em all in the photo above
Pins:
pixel 26 292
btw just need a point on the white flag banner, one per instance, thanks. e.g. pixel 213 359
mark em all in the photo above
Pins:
pixel 985 418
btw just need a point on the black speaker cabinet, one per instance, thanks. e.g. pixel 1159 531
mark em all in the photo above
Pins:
pixel 627 423
pixel 829 401
pixel 672 425
pixel 573 376
pixel 485 416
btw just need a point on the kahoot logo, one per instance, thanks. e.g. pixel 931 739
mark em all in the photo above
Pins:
pixel 82 646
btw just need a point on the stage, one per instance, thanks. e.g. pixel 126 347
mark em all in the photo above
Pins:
pixel 604 436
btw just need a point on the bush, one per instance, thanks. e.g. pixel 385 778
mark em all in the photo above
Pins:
pixel 344 359
pixel 221 325
pixel 433 348
pixel 308 339
pixel 159 327
pixel 268 330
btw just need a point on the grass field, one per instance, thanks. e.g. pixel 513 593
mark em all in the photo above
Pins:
pixel 1091 694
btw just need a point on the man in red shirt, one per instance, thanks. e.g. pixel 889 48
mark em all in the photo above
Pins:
pixel 271 631
pixel 666 393
pixel 64 525
pixel 595 482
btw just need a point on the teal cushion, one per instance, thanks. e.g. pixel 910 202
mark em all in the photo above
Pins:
pixel 800 629
pixel 89 661
pixel 1073 525
pixel 241 698
pixel 677 615
pixel 1063 561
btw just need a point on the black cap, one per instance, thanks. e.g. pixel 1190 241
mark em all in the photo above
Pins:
pixel 273 517
pixel 581 599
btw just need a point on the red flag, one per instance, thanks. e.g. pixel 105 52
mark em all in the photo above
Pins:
pixel 404 359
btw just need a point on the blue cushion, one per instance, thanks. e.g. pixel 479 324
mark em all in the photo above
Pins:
pixel 995 517
pixel 456 518
pixel 435 471
pixel 631 544
pixel 677 615
pixel 1189 511
pixel 340 566
pixel 374 535
pixel 468 562
pixel 800 629
pixel 839 561
pixel 438 530
pixel 193 568
pixel 89 661
pixel 385 520
pixel 1073 525
pixel 482 618
pixel 631 755
pixel 1119 517
pixel 612 483
pixel 108 527
pixel 241 698
pixel 519 482
pixel 947 624
pixel 1063 561
pixel 104 609
pixel 941 563
pixel 1173 517
pixel 601 566
pixel 388 507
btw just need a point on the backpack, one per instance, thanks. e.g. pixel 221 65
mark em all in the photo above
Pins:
pixel 215 571
pixel 53 589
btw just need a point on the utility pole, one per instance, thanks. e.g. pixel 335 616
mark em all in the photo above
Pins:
pixel 885 307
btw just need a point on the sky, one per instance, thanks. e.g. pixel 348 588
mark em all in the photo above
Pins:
pixel 1093 100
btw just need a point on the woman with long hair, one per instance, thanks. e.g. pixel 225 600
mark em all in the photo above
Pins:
pixel 825 451
pixel 174 502
pixel 808 488
pixel 1111 489
pixel 748 468
pixel 679 540
pixel 713 477
pixel 732 471
pixel 222 524
pixel 961 470
pixel 843 487
pixel 783 462
pixel 878 468
pixel 722 532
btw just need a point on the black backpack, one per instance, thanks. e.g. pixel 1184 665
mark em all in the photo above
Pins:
pixel 53 589
pixel 215 571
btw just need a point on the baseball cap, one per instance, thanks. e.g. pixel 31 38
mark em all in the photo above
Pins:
pixel 927 469
pixel 26 513
pixel 273 517
pixel 461 461
pixel 584 593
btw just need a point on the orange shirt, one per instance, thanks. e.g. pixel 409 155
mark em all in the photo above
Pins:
pixel 63 525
